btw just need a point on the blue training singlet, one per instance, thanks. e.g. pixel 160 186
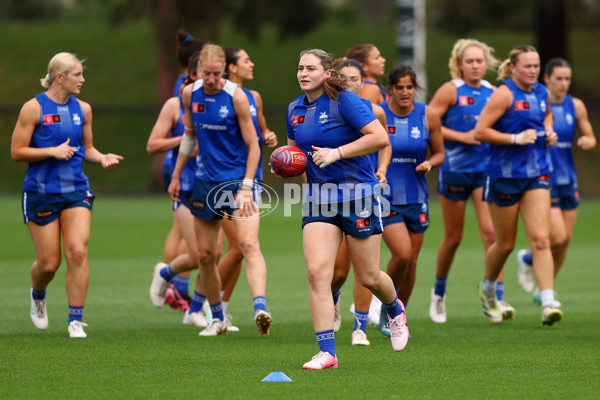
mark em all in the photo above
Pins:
pixel 57 123
pixel 330 123
pixel 178 83
pixel 254 115
pixel 409 137
pixel 186 179
pixel 462 117
pixel 222 152
pixel 565 120
pixel 527 111
pixel 382 89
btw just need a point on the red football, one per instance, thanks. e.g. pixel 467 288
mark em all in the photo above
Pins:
pixel 288 161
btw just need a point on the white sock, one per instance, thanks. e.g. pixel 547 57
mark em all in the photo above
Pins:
pixel 224 304
pixel 547 297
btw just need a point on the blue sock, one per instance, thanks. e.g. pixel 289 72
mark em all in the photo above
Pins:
pixel 166 273
pixel 326 341
pixel 500 290
pixel 440 286
pixel 182 284
pixel 260 303
pixel 528 258
pixel 197 302
pixel 336 296
pixel 360 320
pixel 75 313
pixel 217 311
pixel 38 295
pixel 393 309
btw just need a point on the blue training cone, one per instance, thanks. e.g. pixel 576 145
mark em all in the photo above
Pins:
pixel 277 377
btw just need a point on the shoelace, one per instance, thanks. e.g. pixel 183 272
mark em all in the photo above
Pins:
pixel 39 305
pixel 396 326
pixel 440 306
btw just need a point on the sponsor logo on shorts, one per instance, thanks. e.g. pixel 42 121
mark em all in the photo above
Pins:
pixel 43 214
pixel 544 178
pixel 457 189
pixel 363 223
pixel 50 119
pixel 298 119
pixel 198 205
pixel 505 197
pixel 577 195
pixel 423 218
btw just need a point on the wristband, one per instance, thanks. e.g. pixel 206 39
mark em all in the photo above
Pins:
pixel 248 183
pixel 187 128
pixel 342 156
pixel 188 144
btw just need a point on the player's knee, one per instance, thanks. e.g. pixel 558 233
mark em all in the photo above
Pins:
pixel 453 241
pixel 76 254
pixel 206 259
pixel 48 264
pixel 248 246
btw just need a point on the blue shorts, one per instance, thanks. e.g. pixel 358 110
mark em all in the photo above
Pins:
pixel 459 185
pixel 214 200
pixel 362 224
pixel 565 197
pixel 43 208
pixel 415 216
pixel 508 191
pixel 185 199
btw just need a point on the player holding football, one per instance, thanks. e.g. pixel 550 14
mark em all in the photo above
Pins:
pixel 459 103
pixel 517 122
pixel 568 112
pixel 380 160
pixel 54 135
pixel 413 128
pixel 337 130
pixel 218 116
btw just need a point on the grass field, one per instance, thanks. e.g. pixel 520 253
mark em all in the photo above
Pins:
pixel 135 351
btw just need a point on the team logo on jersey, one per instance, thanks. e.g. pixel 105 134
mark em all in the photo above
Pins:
pixel 465 101
pixel 521 105
pixel 323 118
pixel 392 130
pixel 543 105
pixel 415 132
pixel 569 119
pixel 198 108
pixel 50 119
pixel 76 119
pixel 363 223
pixel 252 110
pixel 223 112
pixel 298 119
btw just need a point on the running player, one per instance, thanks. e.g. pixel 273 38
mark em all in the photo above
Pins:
pixel 518 124
pixel 380 160
pixel 218 116
pixel 413 128
pixel 568 113
pixel 373 65
pixel 459 103
pixel 337 129
pixel 54 136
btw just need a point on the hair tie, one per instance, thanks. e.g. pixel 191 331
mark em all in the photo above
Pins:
pixel 187 39
pixel 48 78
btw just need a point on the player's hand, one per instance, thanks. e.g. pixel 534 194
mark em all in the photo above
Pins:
pixel 586 142
pixel 469 138
pixel 528 136
pixel 382 177
pixel 323 156
pixel 424 167
pixel 551 137
pixel 173 189
pixel 110 161
pixel 245 203
pixel 63 151
pixel 270 138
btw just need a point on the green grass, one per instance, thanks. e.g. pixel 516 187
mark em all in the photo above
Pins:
pixel 136 351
